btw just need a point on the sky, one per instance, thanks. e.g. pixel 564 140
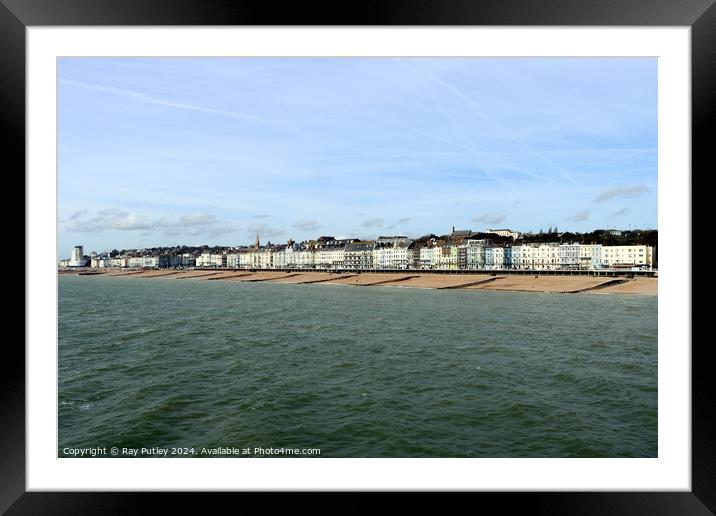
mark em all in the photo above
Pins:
pixel 172 151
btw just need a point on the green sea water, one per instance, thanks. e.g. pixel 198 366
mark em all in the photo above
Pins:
pixel 354 371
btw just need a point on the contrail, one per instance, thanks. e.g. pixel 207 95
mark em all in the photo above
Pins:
pixel 478 109
pixel 502 161
pixel 427 135
pixel 149 99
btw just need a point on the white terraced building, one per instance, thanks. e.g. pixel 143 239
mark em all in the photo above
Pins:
pixel 627 256
pixel 429 257
pixel 211 260
pixel 475 254
pixel 443 257
pixel 100 262
pixel 522 257
pixel 590 256
pixel 304 259
pixel 569 256
pixel 494 258
pixel 545 257
pixel 330 257
pixel 232 260
pixel 121 261
pixel 253 259
pixel 264 258
pixel 359 255
pixel 286 257
pixel 448 257
pixel 537 257
pixel 280 258
pixel 245 259
pixel 393 257
pixel 135 262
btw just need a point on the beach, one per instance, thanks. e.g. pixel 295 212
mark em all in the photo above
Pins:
pixel 488 282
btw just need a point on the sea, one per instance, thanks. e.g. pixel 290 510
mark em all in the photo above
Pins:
pixel 222 368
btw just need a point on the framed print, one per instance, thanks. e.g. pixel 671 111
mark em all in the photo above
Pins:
pixel 427 154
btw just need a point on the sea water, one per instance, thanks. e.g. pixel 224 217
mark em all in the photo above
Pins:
pixel 354 371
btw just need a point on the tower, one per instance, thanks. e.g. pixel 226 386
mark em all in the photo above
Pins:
pixel 77 257
pixel 258 244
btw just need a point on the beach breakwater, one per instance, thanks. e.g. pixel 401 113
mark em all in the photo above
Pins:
pixel 495 281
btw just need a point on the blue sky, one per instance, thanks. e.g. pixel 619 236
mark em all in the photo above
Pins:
pixel 157 151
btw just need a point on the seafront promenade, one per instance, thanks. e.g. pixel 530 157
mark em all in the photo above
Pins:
pixel 632 282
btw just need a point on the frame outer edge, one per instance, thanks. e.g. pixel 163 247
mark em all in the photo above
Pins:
pixel 12 394
pixel 703 114
pixel 12 365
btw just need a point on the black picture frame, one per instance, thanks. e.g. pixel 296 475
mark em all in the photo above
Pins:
pixel 700 15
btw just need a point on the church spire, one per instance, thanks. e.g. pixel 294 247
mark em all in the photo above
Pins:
pixel 258 244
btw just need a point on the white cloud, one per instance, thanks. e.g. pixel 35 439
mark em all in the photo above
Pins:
pixel 580 216
pixel 307 225
pixel 626 192
pixel 372 223
pixel 489 218
pixel 114 219
pixel 198 219
pixel 263 230
pixel 110 219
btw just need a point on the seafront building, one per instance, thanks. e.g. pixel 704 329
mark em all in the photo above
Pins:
pixel 475 254
pixel 211 260
pixel 429 257
pixel 119 263
pixel 393 253
pixel 359 255
pixel 330 253
pixel 616 256
pixel 590 256
pixel 494 258
pixel 569 256
pixel 459 250
pixel 504 232
pixel 77 259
